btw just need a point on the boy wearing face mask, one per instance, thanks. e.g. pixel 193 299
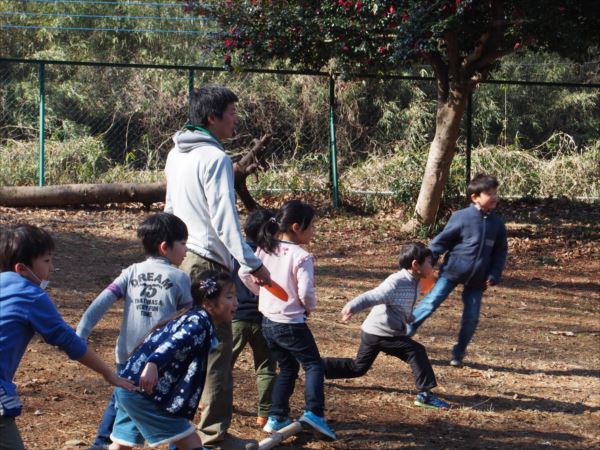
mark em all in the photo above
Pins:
pixel 25 308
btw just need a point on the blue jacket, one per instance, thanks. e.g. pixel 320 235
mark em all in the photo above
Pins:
pixel 476 247
pixel 247 300
pixel 180 350
pixel 25 309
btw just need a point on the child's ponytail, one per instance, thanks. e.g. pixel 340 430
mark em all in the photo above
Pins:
pixel 294 211
pixel 267 235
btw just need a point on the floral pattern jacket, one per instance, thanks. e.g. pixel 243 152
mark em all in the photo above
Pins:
pixel 180 350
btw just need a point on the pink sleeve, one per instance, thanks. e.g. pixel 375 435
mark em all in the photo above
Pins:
pixel 305 274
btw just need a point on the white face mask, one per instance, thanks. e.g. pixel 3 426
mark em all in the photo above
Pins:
pixel 43 283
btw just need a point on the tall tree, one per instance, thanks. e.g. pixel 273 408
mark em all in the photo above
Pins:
pixel 461 40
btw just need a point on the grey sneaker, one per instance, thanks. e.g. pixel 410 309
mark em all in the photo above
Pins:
pixel 456 362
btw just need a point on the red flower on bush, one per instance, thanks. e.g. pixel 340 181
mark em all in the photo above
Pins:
pixel 228 42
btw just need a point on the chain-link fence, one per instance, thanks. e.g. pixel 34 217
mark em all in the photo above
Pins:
pixel 114 122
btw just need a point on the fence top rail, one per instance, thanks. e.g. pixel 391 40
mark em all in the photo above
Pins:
pixel 283 72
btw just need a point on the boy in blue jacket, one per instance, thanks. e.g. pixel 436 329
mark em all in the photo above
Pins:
pixel 475 247
pixel 25 309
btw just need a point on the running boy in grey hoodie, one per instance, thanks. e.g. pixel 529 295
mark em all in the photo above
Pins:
pixel 384 329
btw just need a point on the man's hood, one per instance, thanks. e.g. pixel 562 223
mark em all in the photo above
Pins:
pixel 188 140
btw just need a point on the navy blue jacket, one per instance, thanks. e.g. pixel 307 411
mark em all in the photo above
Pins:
pixel 247 300
pixel 475 246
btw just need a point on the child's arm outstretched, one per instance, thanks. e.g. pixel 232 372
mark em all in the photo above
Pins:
pixel 97 309
pixel 91 360
pixel 386 293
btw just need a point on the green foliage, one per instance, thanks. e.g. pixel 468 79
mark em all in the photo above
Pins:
pixel 88 31
pixel 72 161
pixel 379 34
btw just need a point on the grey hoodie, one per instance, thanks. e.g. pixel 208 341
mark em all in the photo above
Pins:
pixel 200 192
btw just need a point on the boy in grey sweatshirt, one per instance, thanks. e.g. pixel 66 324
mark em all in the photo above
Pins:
pixel 152 291
pixel 384 329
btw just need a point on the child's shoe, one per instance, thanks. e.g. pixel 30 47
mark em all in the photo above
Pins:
pixel 274 424
pixel 261 421
pixel 318 424
pixel 428 400
pixel 456 362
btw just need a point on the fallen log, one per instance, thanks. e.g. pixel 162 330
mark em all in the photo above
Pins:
pixel 82 194
pixel 278 437
pixel 147 193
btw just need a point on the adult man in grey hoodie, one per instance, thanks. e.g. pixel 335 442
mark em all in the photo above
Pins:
pixel 200 191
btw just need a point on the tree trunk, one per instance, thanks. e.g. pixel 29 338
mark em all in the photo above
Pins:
pixel 448 119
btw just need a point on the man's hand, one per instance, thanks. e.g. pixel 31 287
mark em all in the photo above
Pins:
pixel 262 276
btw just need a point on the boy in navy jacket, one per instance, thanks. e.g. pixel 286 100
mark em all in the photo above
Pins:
pixel 474 241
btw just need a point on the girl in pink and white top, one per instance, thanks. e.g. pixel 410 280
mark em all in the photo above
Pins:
pixel 284 323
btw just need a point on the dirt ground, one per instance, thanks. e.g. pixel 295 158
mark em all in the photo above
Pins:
pixel 532 379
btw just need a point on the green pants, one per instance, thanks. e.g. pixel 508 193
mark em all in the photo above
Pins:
pixel 264 367
pixel 217 396
pixel 10 439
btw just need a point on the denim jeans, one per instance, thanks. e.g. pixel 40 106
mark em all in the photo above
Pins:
pixel 292 345
pixel 471 298
pixel 108 418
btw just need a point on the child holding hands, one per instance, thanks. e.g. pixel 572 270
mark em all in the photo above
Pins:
pixel 26 308
pixel 169 368
pixel 384 329
pixel 284 324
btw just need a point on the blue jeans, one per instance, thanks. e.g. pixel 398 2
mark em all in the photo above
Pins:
pixel 292 345
pixel 471 298
pixel 108 418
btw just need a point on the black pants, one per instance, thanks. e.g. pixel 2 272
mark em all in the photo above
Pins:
pixel 370 345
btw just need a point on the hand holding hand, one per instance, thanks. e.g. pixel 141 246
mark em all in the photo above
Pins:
pixel 117 381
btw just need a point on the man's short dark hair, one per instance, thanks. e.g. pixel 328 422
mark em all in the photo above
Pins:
pixel 480 183
pixel 415 251
pixel 255 220
pixel 211 99
pixel 161 227
pixel 22 243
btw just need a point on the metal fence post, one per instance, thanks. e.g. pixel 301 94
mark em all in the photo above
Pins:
pixel 332 145
pixel 469 137
pixel 42 76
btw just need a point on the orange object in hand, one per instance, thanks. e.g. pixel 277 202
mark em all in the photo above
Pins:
pixel 427 283
pixel 276 290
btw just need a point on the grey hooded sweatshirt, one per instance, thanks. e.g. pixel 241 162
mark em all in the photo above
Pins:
pixel 200 192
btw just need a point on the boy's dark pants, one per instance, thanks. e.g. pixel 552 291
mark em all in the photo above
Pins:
pixel 292 345
pixel 370 345
pixel 9 435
